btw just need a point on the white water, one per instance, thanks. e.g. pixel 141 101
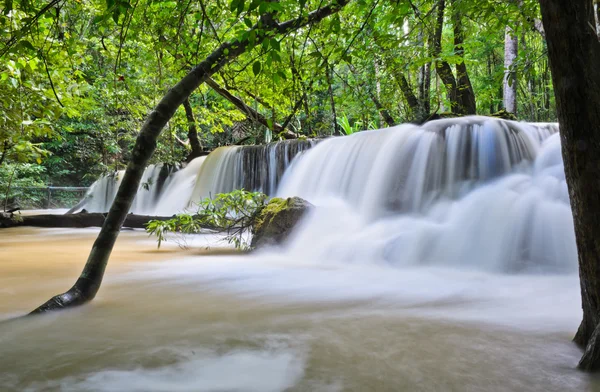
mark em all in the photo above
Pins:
pixel 254 168
pixel 458 194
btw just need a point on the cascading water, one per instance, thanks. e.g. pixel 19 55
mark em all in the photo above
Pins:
pixel 101 194
pixel 164 190
pixel 255 168
pixel 470 193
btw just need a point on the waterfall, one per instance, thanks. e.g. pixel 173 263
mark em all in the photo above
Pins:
pixel 166 189
pixel 469 193
pixel 254 168
pixel 472 192
pixel 101 194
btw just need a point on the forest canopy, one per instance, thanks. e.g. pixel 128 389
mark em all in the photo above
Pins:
pixel 78 78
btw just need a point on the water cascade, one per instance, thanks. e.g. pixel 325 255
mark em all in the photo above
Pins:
pixel 166 190
pixel 469 193
pixel 256 168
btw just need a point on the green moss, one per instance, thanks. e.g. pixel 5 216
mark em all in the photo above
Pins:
pixel 275 206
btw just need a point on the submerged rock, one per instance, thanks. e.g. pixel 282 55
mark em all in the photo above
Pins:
pixel 277 220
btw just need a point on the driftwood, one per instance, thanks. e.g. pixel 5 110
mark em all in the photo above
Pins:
pixel 73 220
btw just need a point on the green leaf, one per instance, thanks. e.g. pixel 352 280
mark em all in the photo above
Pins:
pixel 8 5
pixel 256 67
pixel 275 44
pixel 26 44
pixel 240 7
pixel 98 18
pixel 254 5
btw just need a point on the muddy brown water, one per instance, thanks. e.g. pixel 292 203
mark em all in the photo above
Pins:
pixel 153 332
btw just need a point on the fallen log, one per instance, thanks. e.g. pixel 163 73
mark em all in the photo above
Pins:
pixel 80 220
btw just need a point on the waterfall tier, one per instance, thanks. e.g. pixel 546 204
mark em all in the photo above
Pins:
pixel 166 190
pixel 473 192
pixel 470 193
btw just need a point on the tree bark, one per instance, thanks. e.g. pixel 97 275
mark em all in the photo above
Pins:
pixel 409 96
pixel 192 132
pixel 509 90
pixel 464 89
pixel 442 67
pixel 80 220
pixel 336 127
pixel 574 52
pixel 88 284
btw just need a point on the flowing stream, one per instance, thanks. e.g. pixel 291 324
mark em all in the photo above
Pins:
pixel 438 258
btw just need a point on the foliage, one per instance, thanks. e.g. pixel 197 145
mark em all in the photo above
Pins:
pixel 79 78
pixel 16 176
pixel 230 213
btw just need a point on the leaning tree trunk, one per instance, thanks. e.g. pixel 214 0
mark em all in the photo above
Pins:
pixel 88 284
pixel 509 89
pixel 574 53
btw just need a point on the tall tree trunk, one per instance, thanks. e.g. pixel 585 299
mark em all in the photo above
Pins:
pixel 88 284
pixel 192 132
pixel 509 90
pixel 574 52
pixel 407 92
pixel 464 89
pixel 424 76
pixel 442 67
pixel 336 127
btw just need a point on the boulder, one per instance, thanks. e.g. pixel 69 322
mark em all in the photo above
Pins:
pixel 276 221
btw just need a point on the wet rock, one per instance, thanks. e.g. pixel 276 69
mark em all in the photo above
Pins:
pixel 277 220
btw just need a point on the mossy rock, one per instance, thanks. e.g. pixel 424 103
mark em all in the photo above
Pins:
pixel 503 114
pixel 276 221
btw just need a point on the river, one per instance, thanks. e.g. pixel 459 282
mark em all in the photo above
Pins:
pixel 193 320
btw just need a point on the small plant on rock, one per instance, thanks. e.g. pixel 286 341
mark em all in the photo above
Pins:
pixel 231 213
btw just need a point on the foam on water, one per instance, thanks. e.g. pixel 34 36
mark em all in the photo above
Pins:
pixel 249 370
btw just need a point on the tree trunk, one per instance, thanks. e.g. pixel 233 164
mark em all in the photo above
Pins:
pixel 464 89
pixel 192 132
pixel 88 284
pixel 336 127
pixel 574 53
pixel 409 96
pixel 442 67
pixel 509 90
pixel 73 220
pixel 424 91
